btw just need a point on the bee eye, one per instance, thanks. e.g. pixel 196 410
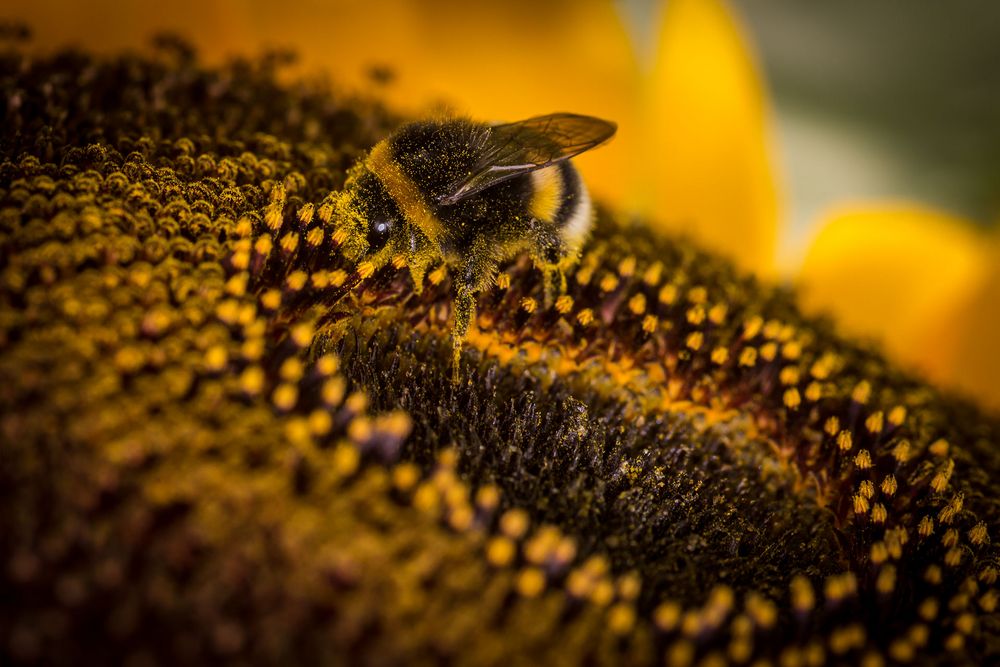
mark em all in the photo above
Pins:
pixel 378 233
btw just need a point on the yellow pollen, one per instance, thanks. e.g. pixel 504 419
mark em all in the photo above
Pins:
pixel 845 441
pixel 585 316
pixel 748 357
pixel 626 267
pixel 650 323
pixel 339 236
pixel 698 295
pixel 863 460
pixel 875 422
pixel 792 398
pixel 437 276
pixel 528 304
pixel 637 304
pixel 862 392
pixel 939 447
pixel 365 270
pixel 897 415
pixel 564 303
pixel 668 294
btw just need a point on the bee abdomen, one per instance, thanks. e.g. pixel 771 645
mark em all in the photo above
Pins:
pixel 574 215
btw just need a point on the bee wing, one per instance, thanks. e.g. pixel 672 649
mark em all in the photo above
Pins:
pixel 513 149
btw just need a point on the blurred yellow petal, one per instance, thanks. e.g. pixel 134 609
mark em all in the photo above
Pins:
pixel 709 154
pixel 900 274
pixel 492 60
pixel 976 369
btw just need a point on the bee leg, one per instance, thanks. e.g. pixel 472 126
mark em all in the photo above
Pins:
pixel 465 309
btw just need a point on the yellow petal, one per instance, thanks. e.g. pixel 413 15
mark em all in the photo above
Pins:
pixel 492 60
pixel 898 273
pixel 708 151
pixel 976 369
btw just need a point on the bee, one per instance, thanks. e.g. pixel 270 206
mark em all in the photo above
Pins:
pixel 473 195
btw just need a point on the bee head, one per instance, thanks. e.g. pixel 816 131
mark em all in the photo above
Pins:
pixel 373 222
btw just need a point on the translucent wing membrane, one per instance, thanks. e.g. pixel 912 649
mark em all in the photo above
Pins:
pixel 518 148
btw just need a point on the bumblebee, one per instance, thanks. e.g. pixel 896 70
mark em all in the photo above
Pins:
pixel 473 195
